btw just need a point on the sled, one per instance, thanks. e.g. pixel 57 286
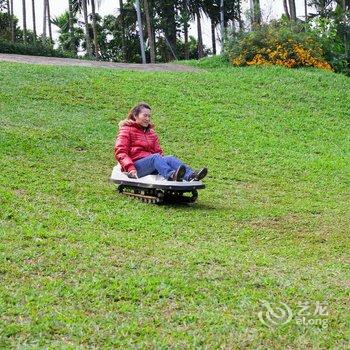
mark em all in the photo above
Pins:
pixel 155 188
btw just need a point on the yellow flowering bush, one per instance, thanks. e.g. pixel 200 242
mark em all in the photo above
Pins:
pixel 275 44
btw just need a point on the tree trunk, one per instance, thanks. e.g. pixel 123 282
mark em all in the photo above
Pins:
pixel 9 14
pixel 13 30
pixel 94 29
pixel 305 8
pixel 87 35
pixel 123 29
pixel 34 19
pixel 49 19
pixel 199 31
pixel 24 21
pixel 285 6
pixel 346 41
pixel 292 10
pixel 44 21
pixel 240 21
pixel 213 39
pixel 256 12
pixel 222 24
pixel 140 27
pixel 71 26
pixel 186 11
pixel 169 26
pixel 150 32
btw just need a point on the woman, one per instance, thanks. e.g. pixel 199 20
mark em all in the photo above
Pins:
pixel 138 151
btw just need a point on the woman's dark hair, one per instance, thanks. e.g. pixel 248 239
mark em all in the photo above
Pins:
pixel 137 109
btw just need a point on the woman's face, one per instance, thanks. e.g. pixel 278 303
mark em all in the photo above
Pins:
pixel 144 117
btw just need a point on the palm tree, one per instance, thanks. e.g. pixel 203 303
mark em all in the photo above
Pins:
pixel 121 10
pixel 81 7
pixel 87 35
pixel 211 9
pixel 13 34
pixel 195 7
pixel 44 21
pixel 285 6
pixel 7 7
pixel 34 19
pixel 256 13
pixel 71 26
pixel 150 32
pixel 65 39
pixel 199 31
pixel 49 19
pixel 166 11
pixel 24 21
pixel 9 14
pixel 292 10
pixel 94 28
pixel 185 14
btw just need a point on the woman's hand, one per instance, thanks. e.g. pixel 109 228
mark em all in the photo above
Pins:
pixel 133 174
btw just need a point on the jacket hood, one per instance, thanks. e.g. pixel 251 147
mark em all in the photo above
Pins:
pixel 129 122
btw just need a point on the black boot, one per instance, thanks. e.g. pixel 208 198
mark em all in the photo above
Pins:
pixel 178 174
pixel 198 175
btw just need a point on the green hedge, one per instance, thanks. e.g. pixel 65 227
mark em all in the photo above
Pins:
pixel 35 49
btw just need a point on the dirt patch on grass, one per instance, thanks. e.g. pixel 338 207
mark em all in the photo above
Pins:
pixel 277 223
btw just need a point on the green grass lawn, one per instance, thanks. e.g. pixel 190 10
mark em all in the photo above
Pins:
pixel 84 267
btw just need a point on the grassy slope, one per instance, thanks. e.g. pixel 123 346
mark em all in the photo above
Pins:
pixel 82 265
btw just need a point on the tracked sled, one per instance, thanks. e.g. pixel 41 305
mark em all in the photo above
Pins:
pixel 155 188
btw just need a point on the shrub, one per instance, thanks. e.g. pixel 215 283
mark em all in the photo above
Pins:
pixel 281 42
pixel 36 49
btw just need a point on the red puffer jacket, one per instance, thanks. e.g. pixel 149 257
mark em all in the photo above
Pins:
pixel 134 142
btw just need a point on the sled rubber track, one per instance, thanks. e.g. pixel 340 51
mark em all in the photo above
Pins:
pixel 158 196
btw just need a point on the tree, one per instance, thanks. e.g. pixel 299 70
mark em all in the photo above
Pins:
pixel 212 10
pixel 34 19
pixel 185 18
pixel 230 11
pixel 5 20
pixel 86 25
pixel 167 24
pixel 199 31
pixel 305 9
pixel 292 10
pixel 256 13
pixel 112 28
pixel 13 25
pixel 286 10
pixel 195 7
pixel 24 21
pixel 150 32
pixel 49 19
pixel 73 47
pixel 94 30
pixel 324 8
pixel 121 11
pixel 64 23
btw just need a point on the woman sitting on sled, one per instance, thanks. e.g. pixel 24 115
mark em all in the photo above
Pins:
pixel 138 151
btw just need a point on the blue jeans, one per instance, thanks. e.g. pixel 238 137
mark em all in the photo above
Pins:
pixel 157 164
